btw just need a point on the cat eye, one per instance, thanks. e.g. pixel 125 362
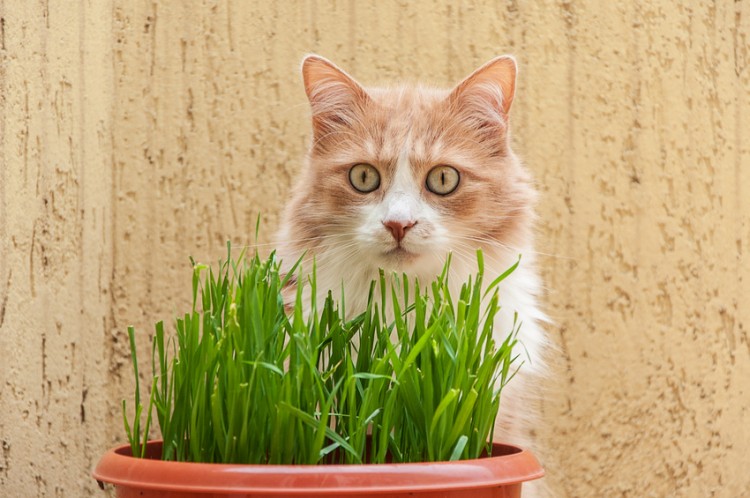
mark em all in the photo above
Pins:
pixel 442 180
pixel 364 178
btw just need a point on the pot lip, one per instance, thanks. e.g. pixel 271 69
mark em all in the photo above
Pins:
pixel 509 465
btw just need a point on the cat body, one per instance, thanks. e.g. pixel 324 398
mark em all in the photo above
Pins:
pixel 398 177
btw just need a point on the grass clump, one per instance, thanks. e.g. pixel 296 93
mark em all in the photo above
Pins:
pixel 245 380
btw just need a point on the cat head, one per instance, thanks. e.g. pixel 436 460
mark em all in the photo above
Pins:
pixel 398 176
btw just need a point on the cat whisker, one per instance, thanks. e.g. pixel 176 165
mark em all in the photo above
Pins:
pixel 332 253
pixel 494 242
pixel 490 262
pixel 294 241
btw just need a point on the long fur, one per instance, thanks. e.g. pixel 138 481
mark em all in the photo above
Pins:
pixel 404 131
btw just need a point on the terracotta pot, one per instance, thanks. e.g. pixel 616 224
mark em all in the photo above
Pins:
pixel 498 476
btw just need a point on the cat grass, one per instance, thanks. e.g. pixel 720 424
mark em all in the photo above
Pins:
pixel 246 380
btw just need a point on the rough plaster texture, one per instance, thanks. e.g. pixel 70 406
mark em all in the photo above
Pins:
pixel 56 406
pixel 136 133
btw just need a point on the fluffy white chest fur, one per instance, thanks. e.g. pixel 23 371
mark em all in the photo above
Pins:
pixel 518 301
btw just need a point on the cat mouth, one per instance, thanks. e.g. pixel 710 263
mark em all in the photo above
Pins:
pixel 400 253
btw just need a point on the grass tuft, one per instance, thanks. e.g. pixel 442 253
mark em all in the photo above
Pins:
pixel 243 380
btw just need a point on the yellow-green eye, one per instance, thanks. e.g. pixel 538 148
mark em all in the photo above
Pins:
pixel 442 180
pixel 364 177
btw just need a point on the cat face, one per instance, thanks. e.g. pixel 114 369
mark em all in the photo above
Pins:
pixel 397 177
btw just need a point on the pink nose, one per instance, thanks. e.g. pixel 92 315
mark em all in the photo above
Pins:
pixel 398 228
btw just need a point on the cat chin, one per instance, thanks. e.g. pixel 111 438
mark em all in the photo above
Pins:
pixel 421 266
pixel 400 255
pixel 397 261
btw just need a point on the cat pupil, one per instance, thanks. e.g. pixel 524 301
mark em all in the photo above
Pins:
pixel 364 176
pixel 442 177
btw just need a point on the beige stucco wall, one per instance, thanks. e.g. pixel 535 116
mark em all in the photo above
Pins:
pixel 136 133
pixel 57 403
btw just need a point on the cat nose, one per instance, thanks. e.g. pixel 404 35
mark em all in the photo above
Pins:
pixel 398 228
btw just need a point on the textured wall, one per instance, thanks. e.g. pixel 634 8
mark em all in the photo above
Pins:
pixel 56 405
pixel 136 133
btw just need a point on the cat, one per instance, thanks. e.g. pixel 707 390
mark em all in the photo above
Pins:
pixel 396 177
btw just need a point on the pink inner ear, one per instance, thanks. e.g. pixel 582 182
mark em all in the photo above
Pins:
pixel 334 95
pixel 326 83
pixel 493 85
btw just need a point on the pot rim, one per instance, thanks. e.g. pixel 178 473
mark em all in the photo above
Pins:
pixel 508 465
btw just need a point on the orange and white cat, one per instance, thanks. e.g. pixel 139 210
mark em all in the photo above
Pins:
pixel 397 177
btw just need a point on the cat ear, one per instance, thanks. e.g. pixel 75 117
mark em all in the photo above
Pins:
pixel 489 88
pixel 334 95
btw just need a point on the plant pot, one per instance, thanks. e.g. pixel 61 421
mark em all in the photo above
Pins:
pixel 499 476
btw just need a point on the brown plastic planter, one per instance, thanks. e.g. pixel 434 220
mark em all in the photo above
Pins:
pixel 498 476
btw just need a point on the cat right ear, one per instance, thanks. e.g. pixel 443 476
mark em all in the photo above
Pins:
pixel 489 88
pixel 334 95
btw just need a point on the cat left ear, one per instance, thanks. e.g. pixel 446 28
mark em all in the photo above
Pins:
pixel 492 86
pixel 334 95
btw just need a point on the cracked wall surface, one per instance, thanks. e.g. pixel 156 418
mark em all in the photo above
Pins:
pixel 134 134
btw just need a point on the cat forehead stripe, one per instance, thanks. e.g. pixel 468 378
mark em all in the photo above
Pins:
pixel 403 180
pixel 419 148
pixel 371 148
